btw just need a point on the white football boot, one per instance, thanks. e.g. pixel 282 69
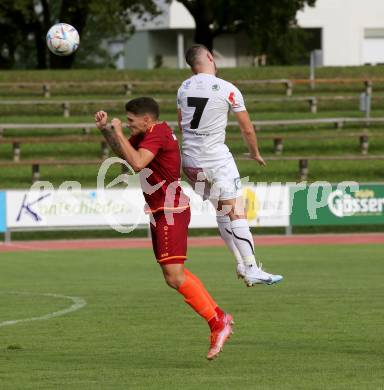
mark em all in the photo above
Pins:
pixel 240 270
pixel 254 275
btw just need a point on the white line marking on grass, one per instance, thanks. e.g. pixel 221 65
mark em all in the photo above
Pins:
pixel 78 303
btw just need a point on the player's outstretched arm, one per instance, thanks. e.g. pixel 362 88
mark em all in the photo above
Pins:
pixel 248 132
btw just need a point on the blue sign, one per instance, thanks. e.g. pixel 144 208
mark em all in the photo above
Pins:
pixel 2 213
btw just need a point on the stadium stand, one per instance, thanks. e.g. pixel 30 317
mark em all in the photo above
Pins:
pixel 86 127
pixel 304 160
pixel 128 87
pixel 291 135
pixel 65 105
pixel 18 141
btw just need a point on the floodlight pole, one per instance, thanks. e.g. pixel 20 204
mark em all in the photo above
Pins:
pixel 7 237
pixel 312 69
pixel 288 230
pixel 367 106
pixel 368 98
pixel 180 50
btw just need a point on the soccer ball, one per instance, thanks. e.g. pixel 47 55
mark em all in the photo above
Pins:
pixel 63 39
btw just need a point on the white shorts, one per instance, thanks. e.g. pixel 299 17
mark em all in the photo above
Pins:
pixel 220 182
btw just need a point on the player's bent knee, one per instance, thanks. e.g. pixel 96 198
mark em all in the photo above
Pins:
pixel 173 274
pixel 172 284
pixel 174 281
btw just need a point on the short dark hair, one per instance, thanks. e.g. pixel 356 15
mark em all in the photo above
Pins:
pixel 192 54
pixel 143 105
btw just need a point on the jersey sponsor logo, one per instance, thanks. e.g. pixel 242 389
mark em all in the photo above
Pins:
pixel 231 99
pixel 187 84
pixel 197 133
pixel 215 87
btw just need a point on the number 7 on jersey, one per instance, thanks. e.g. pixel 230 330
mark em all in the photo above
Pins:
pixel 199 104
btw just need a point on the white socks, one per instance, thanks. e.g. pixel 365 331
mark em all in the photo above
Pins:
pixel 243 240
pixel 224 224
pixel 238 238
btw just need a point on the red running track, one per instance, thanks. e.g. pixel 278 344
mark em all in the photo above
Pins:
pixel 318 239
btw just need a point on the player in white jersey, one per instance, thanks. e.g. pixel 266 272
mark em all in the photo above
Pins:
pixel 203 103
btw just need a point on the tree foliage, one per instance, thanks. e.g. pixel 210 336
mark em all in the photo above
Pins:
pixel 265 22
pixel 24 24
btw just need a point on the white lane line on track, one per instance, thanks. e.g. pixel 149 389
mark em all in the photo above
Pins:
pixel 78 303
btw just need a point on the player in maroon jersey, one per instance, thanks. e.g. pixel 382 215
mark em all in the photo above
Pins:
pixel 153 151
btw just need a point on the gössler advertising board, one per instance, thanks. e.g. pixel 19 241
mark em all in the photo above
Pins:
pixel 338 205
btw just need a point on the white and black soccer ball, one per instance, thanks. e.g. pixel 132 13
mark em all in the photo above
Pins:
pixel 63 39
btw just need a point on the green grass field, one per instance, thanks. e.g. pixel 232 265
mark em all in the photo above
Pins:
pixel 322 328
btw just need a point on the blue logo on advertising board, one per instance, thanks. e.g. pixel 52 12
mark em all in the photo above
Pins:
pixel 2 212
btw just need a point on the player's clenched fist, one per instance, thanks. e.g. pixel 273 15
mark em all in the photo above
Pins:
pixel 117 125
pixel 101 119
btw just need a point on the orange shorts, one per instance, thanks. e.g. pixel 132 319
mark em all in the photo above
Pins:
pixel 169 240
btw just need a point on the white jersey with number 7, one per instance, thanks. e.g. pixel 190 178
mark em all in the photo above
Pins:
pixel 205 101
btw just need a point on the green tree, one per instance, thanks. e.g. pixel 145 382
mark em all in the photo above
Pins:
pixel 24 24
pixel 265 22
